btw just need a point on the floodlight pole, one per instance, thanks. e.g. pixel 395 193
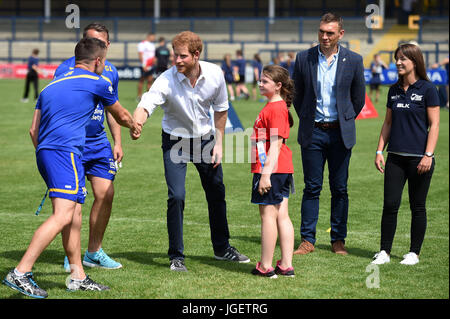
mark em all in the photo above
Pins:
pixel 271 11
pixel 47 11
pixel 157 10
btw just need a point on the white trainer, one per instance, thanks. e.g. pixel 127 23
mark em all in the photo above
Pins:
pixel 381 258
pixel 410 259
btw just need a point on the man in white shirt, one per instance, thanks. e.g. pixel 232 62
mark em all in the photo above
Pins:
pixel 146 52
pixel 186 92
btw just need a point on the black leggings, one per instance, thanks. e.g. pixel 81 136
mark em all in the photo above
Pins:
pixel 399 169
pixel 32 77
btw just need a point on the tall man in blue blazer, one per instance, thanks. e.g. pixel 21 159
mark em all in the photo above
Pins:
pixel 329 94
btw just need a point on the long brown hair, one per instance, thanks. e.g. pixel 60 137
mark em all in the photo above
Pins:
pixel 227 59
pixel 413 52
pixel 280 74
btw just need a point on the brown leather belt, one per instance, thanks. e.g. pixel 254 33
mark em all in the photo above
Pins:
pixel 326 125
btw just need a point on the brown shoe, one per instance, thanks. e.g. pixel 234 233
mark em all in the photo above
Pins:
pixel 338 248
pixel 305 248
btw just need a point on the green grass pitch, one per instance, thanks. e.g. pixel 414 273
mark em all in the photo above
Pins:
pixel 137 235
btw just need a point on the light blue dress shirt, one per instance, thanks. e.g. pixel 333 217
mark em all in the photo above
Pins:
pixel 326 110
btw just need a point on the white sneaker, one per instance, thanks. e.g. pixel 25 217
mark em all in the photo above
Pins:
pixel 410 259
pixel 381 258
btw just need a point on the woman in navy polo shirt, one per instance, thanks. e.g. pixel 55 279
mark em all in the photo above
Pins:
pixel 411 128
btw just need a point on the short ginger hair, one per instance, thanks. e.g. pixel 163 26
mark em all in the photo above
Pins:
pixel 190 39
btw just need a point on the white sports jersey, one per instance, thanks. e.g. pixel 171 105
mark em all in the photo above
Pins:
pixel 147 49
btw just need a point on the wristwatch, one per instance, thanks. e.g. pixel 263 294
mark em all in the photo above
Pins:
pixel 429 154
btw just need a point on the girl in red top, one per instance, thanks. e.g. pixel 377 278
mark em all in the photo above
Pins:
pixel 272 167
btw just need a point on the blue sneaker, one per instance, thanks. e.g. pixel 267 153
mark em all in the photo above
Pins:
pixel 66 264
pixel 25 284
pixel 100 259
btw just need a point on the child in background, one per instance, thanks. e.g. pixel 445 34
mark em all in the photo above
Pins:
pixel 227 68
pixel 272 179
pixel 257 68
pixel 239 66
pixel 376 67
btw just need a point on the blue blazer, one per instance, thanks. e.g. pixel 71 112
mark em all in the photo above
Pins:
pixel 350 93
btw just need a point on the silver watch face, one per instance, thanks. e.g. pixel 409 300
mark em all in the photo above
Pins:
pixel 428 154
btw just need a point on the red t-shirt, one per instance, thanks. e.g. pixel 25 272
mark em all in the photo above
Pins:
pixel 273 120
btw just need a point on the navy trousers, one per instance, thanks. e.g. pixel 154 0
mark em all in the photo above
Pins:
pixel 177 152
pixel 326 146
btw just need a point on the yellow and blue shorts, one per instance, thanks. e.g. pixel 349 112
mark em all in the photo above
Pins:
pixel 98 160
pixel 63 173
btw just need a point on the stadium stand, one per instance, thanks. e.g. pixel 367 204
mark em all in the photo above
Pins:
pixel 186 8
pixel 217 8
pixel 225 26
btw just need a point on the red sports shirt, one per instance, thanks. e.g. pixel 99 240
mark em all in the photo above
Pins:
pixel 273 120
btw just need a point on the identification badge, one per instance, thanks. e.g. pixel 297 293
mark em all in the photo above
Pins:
pixel 261 152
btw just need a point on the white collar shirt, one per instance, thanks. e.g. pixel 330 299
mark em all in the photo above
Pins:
pixel 186 108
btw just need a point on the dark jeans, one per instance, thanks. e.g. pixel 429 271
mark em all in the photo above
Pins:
pixel 399 169
pixel 176 154
pixel 326 146
pixel 32 77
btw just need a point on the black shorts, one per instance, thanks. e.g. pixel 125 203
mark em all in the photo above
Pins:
pixel 241 79
pixel 282 186
pixel 146 74
pixel 159 71
pixel 374 86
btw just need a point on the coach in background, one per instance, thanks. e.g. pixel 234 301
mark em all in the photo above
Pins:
pixel 32 76
pixel 99 159
pixel 186 92
pixel 411 130
pixel 58 132
pixel 162 55
pixel 329 94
